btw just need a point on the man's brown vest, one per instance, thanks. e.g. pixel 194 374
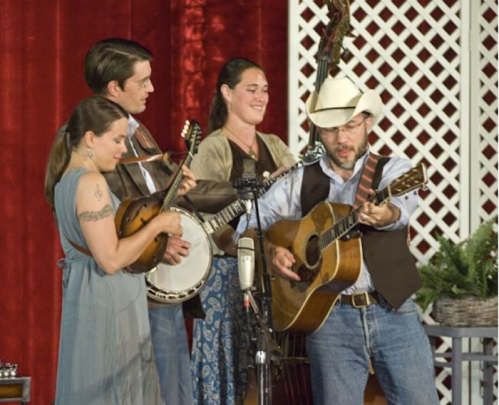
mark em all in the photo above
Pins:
pixel 386 253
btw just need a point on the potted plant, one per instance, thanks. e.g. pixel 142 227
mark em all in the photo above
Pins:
pixel 461 279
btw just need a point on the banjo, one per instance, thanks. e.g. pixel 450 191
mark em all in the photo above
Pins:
pixel 173 284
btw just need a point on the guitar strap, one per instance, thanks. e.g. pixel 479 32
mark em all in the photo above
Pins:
pixel 366 180
pixel 316 184
pixel 161 157
pixel 79 248
pixel 89 253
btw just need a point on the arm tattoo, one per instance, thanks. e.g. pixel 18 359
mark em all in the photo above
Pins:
pixel 98 193
pixel 92 216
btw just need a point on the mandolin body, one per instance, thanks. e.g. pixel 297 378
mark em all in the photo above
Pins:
pixel 132 215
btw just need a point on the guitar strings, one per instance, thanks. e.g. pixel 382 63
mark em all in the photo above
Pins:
pixel 316 243
pixel 312 246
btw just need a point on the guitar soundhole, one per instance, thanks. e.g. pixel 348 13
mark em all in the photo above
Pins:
pixel 307 271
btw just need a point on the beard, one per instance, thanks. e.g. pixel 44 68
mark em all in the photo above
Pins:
pixel 343 163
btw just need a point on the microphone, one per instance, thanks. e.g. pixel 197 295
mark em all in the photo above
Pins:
pixel 248 205
pixel 246 266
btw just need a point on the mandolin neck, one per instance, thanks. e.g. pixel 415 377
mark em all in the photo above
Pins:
pixel 171 195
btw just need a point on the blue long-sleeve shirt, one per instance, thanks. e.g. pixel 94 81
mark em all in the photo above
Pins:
pixel 283 201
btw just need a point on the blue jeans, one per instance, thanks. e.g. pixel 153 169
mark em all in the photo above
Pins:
pixel 171 351
pixel 395 341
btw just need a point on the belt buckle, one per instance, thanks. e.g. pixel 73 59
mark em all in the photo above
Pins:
pixel 367 300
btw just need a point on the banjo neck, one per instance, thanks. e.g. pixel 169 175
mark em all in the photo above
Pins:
pixel 238 207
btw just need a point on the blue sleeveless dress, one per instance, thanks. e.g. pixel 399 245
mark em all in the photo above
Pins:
pixel 105 351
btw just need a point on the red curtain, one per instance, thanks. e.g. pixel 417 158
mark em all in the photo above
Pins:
pixel 43 44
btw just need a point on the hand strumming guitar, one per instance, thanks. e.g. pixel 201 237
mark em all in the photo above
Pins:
pixel 280 260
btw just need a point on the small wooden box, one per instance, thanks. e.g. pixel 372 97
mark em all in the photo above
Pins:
pixel 15 389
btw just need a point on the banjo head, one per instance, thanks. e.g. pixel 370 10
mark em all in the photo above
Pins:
pixel 175 284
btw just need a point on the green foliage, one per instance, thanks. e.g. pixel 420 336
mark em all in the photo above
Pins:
pixel 464 269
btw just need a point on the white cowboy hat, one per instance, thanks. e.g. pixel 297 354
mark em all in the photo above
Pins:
pixel 338 101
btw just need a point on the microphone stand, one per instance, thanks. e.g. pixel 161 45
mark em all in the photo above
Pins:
pixel 267 289
pixel 267 350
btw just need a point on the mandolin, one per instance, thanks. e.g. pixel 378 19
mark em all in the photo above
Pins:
pixel 135 213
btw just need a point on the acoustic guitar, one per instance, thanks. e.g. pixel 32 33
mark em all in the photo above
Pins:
pixel 135 213
pixel 328 258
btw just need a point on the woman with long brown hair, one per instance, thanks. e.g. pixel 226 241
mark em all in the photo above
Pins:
pixel 105 352
pixel 220 342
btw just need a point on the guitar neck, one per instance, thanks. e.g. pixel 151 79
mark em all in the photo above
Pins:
pixel 409 181
pixel 348 223
pixel 413 179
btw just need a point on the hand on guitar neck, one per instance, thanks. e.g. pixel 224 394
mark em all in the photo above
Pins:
pixel 378 216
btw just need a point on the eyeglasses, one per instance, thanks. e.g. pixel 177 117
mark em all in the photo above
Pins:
pixel 349 129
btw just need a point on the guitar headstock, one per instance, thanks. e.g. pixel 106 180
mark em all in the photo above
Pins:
pixel 192 136
pixel 414 178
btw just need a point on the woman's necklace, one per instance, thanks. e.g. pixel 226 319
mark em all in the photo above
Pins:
pixel 251 152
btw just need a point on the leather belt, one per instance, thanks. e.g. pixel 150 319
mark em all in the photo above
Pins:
pixel 361 299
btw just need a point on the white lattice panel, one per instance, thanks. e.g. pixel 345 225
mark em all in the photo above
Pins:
pixel 435 65
pixel 484 126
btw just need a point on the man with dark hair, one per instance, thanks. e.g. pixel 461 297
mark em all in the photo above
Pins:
pixel 373 325
pixel 120 70
pixel 113 60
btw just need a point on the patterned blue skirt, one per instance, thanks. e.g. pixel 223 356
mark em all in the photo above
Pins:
pixel 221 342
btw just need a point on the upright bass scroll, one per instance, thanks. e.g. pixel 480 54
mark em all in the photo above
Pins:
pixel 328 57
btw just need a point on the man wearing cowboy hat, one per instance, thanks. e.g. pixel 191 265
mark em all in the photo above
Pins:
pixel 374 325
